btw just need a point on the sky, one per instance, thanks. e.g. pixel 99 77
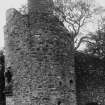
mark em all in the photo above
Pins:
pixel 6 4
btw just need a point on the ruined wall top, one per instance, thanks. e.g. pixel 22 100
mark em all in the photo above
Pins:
pixel 43 6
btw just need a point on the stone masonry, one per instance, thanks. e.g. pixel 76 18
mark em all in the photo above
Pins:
pixel 41 57
pixel 90 73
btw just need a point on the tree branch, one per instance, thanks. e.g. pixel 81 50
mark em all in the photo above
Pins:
pixel 83 39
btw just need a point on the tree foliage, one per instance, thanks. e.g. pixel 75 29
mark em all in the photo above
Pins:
pixel 97 46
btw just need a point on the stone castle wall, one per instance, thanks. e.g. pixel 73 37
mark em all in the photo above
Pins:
pixel 90 73
pixel 40 5
pixel 40 53
pixel 17 53
pixel 41 60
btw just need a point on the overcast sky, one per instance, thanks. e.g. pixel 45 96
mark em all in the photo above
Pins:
pixel 6 4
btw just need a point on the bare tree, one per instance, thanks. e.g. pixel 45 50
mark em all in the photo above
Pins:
pixel 77 14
